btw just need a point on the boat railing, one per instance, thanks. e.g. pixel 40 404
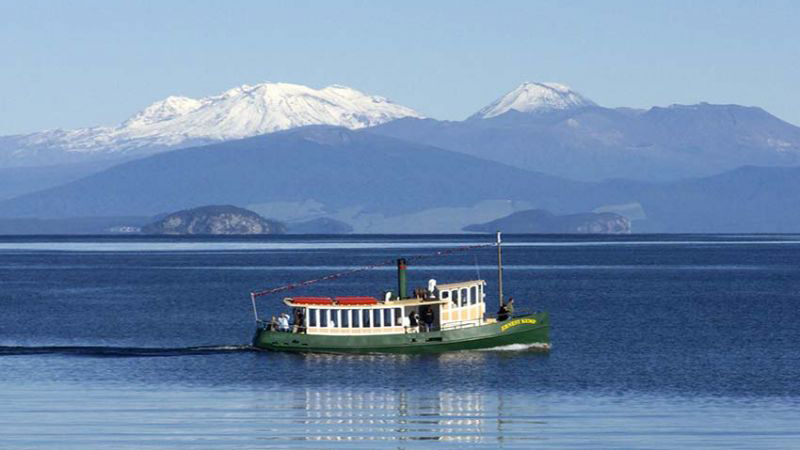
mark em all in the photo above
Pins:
pixel 459 324
pixel 267 325
pixel 517 313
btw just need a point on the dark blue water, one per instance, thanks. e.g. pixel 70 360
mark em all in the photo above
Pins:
pixel 657 342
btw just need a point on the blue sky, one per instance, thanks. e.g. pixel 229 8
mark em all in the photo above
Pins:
pixel 83 63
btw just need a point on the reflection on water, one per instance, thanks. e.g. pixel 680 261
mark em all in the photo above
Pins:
pixel 74 417
pixel 354 415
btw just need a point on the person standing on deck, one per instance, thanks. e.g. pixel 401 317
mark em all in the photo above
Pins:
pixel 414 321
pixel 427 318
pixel 298 320
pixel 506 311
pixel 283 322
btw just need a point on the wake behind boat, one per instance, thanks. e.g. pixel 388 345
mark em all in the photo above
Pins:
pixel 439 318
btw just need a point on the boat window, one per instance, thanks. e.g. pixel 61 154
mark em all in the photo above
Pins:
pixel 323 317
pixel 387 317
pixel 345 321
pixel 334 318
pixel 473 295
pixel 464 297
pixel 454 297
pixel 445 295
pixel 480 293
pixel 376 318
pixel 312 317
pixel 365 318
pixel 398 316
pixel 356 322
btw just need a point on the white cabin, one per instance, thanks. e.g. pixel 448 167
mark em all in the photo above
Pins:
pixel 453 305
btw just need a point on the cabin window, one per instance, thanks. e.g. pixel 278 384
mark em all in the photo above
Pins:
pixel 473 295
pixel 398 316
pixel 334 318
pixel 323 317
pixel 454 298
pixel 312 317
pixel 356 322
pixel 445 295
pixel 376 318
pixel 387 317
pixel 480 293
pixel 345 321
pixel 365 318
pixel 464 297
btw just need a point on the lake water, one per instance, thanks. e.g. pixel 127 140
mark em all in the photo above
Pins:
pixel 658 342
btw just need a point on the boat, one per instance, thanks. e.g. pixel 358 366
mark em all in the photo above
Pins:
pixel 439 318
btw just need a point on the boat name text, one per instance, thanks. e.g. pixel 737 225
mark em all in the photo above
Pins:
pixel 516 322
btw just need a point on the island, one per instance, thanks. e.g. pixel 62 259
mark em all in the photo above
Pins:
pixel 543 221
pixel 214 219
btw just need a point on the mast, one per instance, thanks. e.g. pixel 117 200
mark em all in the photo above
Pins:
pixel 402 281
pixel 499 269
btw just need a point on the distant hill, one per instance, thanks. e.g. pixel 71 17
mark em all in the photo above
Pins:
pixel 541 221
pixel 336 167
pixel 216 219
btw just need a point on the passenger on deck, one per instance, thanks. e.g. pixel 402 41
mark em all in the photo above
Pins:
pixel 427 318
pixel 283 322
pixel 298 320
pixel 506 311
pixel 273 324
pixel 413 318
pixel 406 323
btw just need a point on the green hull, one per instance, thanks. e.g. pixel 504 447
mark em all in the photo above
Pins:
pixel 530 329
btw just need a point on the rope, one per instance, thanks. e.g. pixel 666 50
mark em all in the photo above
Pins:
pixel 334 276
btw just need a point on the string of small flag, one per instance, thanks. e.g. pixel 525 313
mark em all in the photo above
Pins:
pixel 334 276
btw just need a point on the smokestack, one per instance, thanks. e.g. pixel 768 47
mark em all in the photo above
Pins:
pixel 402 282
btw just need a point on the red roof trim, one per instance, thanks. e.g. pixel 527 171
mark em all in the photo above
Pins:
pixel 356 300
pixel 312 300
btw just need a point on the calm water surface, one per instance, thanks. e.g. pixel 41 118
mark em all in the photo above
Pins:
pixel 658 342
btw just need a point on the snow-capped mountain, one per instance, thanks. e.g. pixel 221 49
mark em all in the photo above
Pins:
pixel 181 121
pixel 535 98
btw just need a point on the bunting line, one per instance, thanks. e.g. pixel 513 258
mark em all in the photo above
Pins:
pixel 334 276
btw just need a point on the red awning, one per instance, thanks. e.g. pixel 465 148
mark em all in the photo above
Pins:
pixel 356 300
pixel 312 300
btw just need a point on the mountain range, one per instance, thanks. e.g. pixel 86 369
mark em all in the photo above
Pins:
pixel 298 154
pixel 549 128
pixel 177 122
pixel 385 185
